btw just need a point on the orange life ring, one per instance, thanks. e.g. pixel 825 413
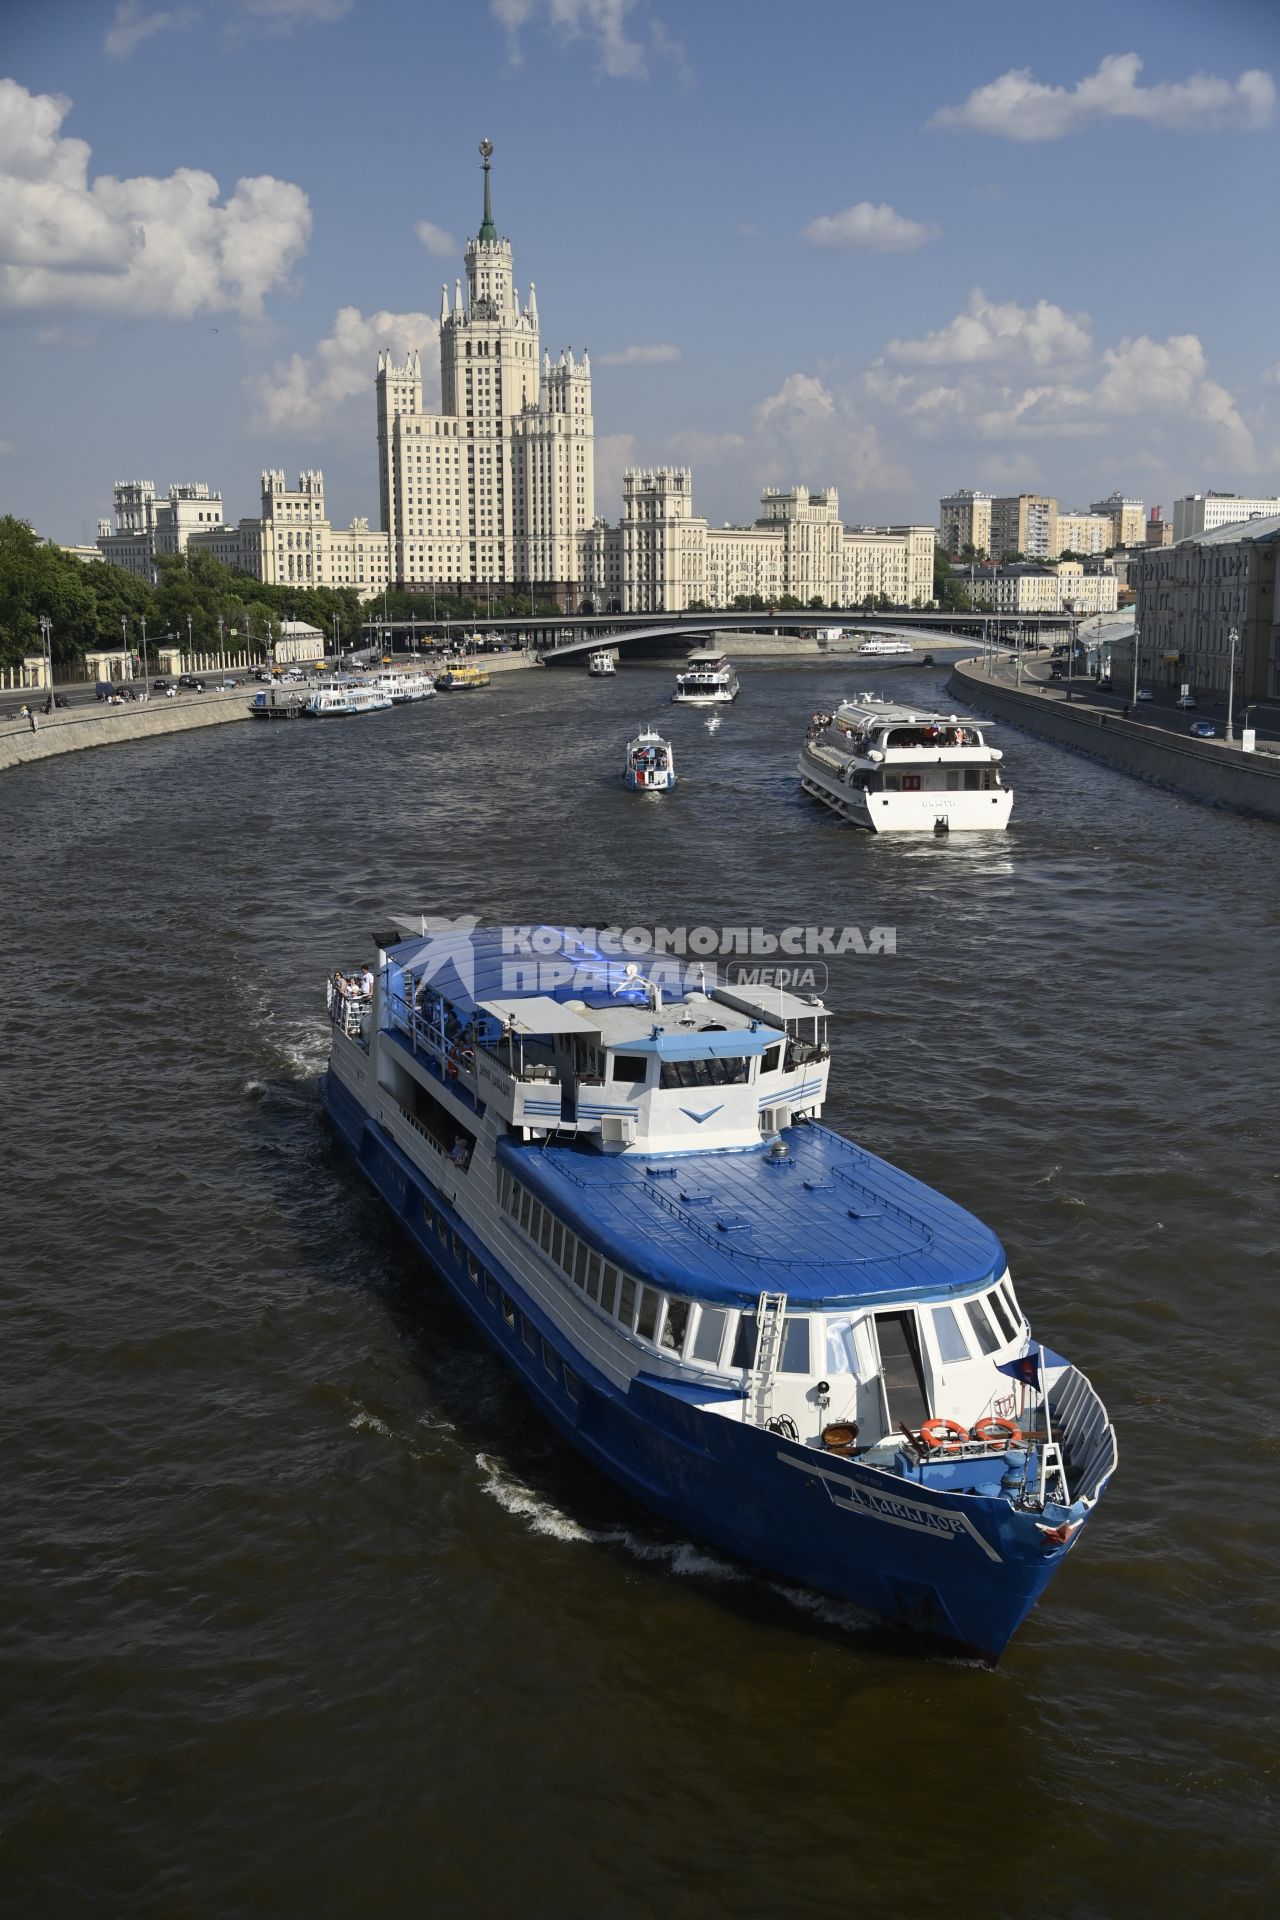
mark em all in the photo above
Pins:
pixel 947 1436
pixel 997 1432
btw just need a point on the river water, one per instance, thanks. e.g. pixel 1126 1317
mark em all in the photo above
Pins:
pixel 305 1612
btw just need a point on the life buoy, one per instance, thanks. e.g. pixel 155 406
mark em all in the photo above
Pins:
pixel 996 1432
pixel 944 1436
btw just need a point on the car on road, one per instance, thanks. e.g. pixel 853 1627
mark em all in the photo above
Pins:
pixel 160 686
pixel 1145 693
pixel 1186 700
pixel 1203 730
pixel 226 686
pixel 190 681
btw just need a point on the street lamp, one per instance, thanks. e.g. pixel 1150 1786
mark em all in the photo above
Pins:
pixel 1234 638
pixel 146 671
pixel 46 637
pixel 1137 635
pixel 191 665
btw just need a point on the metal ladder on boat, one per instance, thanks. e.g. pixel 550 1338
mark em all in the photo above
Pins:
pixel 771 1317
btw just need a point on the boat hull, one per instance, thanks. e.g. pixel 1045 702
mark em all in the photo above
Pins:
pixel 956 1569
pixel 926 812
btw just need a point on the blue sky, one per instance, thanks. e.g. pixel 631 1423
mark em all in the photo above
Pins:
pixel 898 249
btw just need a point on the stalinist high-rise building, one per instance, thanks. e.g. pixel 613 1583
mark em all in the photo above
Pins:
pixel 500 484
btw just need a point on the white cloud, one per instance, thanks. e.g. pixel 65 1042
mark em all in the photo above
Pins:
pixel 142 246
pixel 1043 335
pixel 1012 375
pixel 436 240
pixel 307 390
pixel 639 356
pixel 1017 106
pixel 1271 375
pixel 601 22
pixel 133 22
pixel 873 229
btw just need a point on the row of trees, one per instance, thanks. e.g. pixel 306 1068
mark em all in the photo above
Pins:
pixel 93 606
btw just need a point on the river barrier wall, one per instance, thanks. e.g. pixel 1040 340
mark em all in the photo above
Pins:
pixel 1211 771
pixel 74 729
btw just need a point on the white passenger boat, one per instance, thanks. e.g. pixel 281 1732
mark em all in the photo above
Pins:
pixel 895 770
pixel 601 664
pixel 771 1337
pixel 651 765
pixel 341 699
pixel 707 680
pixel 402 684
pixel 883 648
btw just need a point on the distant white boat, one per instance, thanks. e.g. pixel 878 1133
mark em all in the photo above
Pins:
pixel 339 700
pixel 402 685
pixel 882 646
pixel 651 765
pixel 601 663
pixel 706 681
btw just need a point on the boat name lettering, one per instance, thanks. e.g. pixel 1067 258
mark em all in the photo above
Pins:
pixel 854 1497
pixel 494 1077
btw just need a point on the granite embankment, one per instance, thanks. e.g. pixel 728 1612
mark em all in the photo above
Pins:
pixel 1208 770
pixel 72 729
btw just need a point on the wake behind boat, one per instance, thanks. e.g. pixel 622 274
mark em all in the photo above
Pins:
pixel 894 770
pixel 650 765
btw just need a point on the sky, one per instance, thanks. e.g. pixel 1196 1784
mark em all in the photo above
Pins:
pixel 897 250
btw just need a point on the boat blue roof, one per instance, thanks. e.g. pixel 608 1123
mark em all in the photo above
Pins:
pixel 829 1225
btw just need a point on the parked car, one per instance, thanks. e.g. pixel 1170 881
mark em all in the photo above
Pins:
pixel 1145 693
pixel 1204 730
pixel 1187 700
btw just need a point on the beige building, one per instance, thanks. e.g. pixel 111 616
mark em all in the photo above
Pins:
pixel 964 521
pixel 1087 533
pixel 1128 519
pixel 1191 596
pixel 146 526
pixel 1159 533
pixel 500 484
pixel 1068 587
pixel 1025 523
pixel 662 558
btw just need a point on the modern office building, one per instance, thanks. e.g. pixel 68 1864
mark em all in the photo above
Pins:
pixel 1198 513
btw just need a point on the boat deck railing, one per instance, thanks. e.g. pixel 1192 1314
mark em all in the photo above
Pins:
pixel 349 1011
pixel 1085 1433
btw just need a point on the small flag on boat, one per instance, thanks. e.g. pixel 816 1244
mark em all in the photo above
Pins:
pixel 1026 1368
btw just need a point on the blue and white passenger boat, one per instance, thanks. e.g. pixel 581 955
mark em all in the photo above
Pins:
pixel 650 764
pixel 342 698
pixel 777 1341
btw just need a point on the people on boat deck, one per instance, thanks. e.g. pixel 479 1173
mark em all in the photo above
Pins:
pixel 460 1152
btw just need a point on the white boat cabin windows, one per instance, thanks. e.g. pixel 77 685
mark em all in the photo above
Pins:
pixel 726 1071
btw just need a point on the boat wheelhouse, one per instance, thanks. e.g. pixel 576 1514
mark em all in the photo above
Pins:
pixel 706 680
pixel 342 698
pixel 774 1339
pixel 601 664
pixel 650 764
pixel 892 769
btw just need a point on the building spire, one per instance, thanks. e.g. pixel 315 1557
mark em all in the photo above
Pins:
pixel 487 229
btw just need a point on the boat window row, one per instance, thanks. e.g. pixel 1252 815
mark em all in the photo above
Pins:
pixel 516 1322
pixel 686 1329
pixel 962 1330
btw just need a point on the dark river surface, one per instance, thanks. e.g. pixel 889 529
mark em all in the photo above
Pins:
pixel 304 1610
